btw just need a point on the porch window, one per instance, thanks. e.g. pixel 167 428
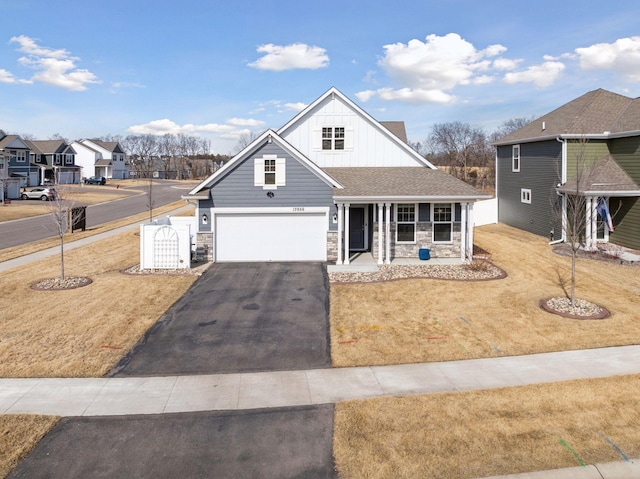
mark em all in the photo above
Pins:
pixel 442 222
pixel 406 223
pixel 515 158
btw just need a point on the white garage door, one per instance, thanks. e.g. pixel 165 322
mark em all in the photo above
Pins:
pixel 271 237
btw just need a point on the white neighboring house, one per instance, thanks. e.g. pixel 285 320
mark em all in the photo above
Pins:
pixel 101 158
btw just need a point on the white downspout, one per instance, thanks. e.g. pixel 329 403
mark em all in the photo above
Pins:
pixel 563 179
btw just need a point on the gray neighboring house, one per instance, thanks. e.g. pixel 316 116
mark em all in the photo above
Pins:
pixel 55 160
pixel 331 183
pixel 589 146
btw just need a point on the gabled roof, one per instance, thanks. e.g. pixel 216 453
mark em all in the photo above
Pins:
pixel 13 141
pixel 397 128
pixel 112 146
pixel 400 183
pixel 597 114
pixel 385 131
pixel 603 178
pixel 267 136
pixel 47 147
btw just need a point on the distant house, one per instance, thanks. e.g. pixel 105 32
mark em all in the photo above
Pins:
pixel 17 164
pixel 589 147
pixel 55 160
pixel 332 183
pixel 101 158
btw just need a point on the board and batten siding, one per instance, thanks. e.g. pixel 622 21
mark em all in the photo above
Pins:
pixel 540 165
pixel 302 187
pixel 371 145
pixel 626 220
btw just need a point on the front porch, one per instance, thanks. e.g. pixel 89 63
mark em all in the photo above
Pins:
pixel 364 262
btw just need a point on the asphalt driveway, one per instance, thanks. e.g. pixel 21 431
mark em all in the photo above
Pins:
pixel 240 317
pixel 280 443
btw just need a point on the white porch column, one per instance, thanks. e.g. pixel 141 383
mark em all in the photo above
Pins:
pixel 587 223
pixel 387 233
pixel 346 233
pixel 594 222
pixel 470 229
pixel 463 231
pixel 340 230
pixel 380 233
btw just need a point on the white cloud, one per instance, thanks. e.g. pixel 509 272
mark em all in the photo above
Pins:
pixel 299 106
pixel 621 56
pixel 244 122
pixel 541 75
pixel 166 126
pixel 426 72
pixel 365 95
pixel 290 57
pixel 54 67
pixel 506 64
pixel 7 77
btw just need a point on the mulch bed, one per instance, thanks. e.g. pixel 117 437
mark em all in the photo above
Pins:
pixel 581 310
pixel 57 284
pixel 484 271
pixel 196 270
pixel 606 254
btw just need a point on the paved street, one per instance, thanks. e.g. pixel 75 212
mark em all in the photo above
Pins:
pixel 13 233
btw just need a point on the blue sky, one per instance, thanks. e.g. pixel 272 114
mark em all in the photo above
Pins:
pixel 218 69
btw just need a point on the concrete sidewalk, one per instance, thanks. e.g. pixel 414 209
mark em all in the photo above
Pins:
pixel 221 392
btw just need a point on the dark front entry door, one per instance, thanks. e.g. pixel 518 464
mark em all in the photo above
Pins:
pixel 356 229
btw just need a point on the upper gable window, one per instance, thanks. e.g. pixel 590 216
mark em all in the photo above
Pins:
pixel 515 158
pixel 333 138
pixel 269 172
pixel 68 159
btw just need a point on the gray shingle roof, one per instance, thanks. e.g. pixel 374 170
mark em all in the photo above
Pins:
pixel 407 182
pixel 594 113
pixel 397 128
pixel 605 177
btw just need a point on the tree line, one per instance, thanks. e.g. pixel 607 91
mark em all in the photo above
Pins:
pixel 466 151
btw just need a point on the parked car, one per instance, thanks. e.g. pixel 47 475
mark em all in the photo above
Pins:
pixel 95 180
pixel 41 193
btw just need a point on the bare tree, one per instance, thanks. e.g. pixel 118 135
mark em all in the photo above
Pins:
pixel 245 140
pixel 457 144
pixel 510 125
pixel 59 208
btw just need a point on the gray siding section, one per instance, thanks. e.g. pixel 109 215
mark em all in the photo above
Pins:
pixel 303 188
pixel 540 172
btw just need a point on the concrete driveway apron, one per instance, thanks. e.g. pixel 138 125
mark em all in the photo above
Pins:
pixel 240 317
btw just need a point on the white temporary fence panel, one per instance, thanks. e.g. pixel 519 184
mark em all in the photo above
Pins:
pixel 485 212
pixel 164 246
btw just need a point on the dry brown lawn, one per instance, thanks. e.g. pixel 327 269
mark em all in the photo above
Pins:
pixel 423 320
pixel 81 332
pixel 18 435
pixel 486 433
